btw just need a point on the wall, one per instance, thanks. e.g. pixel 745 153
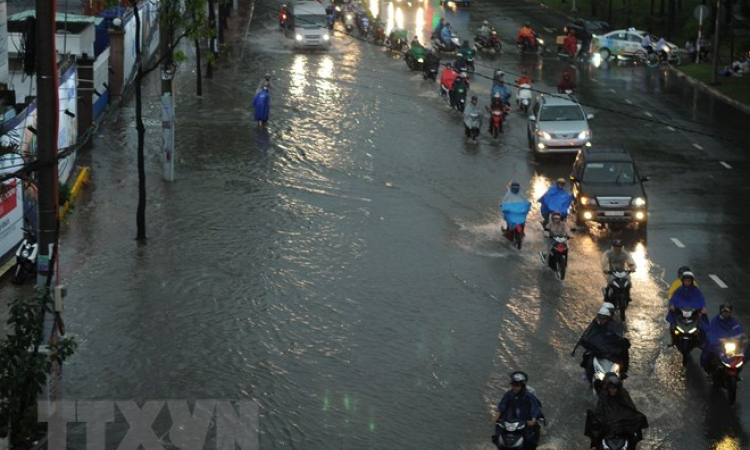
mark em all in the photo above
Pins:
pixel 101 76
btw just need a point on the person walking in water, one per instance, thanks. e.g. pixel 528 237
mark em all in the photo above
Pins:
pixel 262 105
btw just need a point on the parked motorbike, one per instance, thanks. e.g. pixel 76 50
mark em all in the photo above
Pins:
pixel 618 291
pixel 523 97
pixel 557 257
pixel 488 43
pixel 726 374
pixel 685 330
pixel 25 258
pixel 525 46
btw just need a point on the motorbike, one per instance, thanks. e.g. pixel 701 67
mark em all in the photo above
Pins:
pixel 473 131
pixel 396 40
pixel 686 333
pixel 488 43
pixel 726 374
pixel 457 98
pixel 557 258
pixel 615 442
pixel 525 46
pixel 523 97
pixel 618 290
pixel 379 35
pixel 510 435
pixel 498 112
pixel 515 216
pixel 467 55
pixel 25 258
pixel 430 67
pixel 349 21
pixel 363 22
pixel 441 46
pixel 602 366
pixel 415 58
pixel 282 21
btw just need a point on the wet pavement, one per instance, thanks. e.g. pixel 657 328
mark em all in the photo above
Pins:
pixel 346 270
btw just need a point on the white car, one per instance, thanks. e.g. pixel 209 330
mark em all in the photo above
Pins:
pixel 622 43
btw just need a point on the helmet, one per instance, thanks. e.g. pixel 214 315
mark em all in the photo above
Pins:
pixel 518 378
pixel 556 215
pixel 605 311
pixel 515 187
pixel 613 380
pixel 617 243
pixel 528 24
pixel 466 42
pixel 566 75
pixel 447 24
pixel 474 97
pixel 284 6
pixel 609 306
pixel 687 274
pixel 682 270
pixel 726 307
pixel 268 76
pixel 485 23
pixel 561 180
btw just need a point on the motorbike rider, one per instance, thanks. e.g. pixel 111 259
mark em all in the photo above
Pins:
pixel 660 48
pixel 445 36
pixel 264 83
pixel 461 81
pixel 687 295
pixel 678 282
pixel 615 259
pixel 615 415
pixel 472 118
pixel 570 45
pixel 527 36
pixel 283 13
pixel 523 79
pixel 566 84
pixel 555 199
pixel 604 338
pixel 431 60
pixel 555 227
pixel 512 196
pixel 415 44
pixel 723 326
pixel 500 88
pixel 485 31
pixel 646 43
pixel 521 404
pixel 436 32
pixel 447 78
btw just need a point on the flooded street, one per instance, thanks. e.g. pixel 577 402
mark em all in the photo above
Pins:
pixel 346 269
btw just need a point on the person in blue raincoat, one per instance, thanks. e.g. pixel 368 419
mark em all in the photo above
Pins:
pixel 445 35
pixel 515 208
pixel 262 105
pixel 688 295
pixel 723 326
pixel 499 88
pixel 555 199
pixel 521 404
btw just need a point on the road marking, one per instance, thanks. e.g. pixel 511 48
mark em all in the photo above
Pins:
pixel 628 101
pixel 613 91
pixel 678 243
pixel 718 281
pixel 549 30
pixel 594 80
pixel 671 129
pixel 649 114
pixel 725 164
pixel 698 146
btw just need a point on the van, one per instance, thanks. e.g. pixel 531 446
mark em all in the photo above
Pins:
pixel 308 25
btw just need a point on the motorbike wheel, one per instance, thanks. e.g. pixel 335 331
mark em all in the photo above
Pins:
pixel 622 312
pixel 732 389
pixel 495 132
pixel 652 60
pixel 19 274
pixel 517 239
pixel 411 62
pixel 685 356
pixel 498 48
pixel 562 264
pixel 525 108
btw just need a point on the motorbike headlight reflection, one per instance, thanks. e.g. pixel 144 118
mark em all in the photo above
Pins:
pixel 639 201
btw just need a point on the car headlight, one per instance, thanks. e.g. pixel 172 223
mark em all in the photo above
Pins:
pixel 585 134
pixel 588 201
pixel 298 37
pixel 326 37
pixel 639 201
pixel 543 134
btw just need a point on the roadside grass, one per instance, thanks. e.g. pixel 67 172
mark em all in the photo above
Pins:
pixel 737 88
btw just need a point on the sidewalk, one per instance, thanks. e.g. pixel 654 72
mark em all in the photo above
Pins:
pixel 700 75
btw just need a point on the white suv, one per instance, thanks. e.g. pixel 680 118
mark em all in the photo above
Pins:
pixel 557 124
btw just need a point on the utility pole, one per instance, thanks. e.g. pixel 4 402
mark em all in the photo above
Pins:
pixel 715 55
pixel 47 126
pixel 167 101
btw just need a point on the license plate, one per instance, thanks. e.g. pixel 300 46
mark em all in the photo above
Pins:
pixel 614 213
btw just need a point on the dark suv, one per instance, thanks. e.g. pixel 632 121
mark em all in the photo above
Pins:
pixel 607 187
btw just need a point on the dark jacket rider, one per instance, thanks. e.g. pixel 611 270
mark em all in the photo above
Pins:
pixel 604 338
pixel 521 404
pixel 615 415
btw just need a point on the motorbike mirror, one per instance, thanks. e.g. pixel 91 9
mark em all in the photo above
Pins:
pixel 590 116
pixel 532 118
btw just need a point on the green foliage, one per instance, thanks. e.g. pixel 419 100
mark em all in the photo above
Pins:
pixel 24 367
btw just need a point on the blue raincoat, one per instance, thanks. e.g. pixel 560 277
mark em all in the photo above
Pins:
pixel 556 199
pixel 515 213
pixel 502 90
pixel 445 35
pixel 686 296
pixel 717 330
pixel 262 105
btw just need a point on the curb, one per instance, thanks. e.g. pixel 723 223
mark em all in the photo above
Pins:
pixel 81 180
pixel 715 92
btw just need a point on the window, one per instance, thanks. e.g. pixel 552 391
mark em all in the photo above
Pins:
pixel 561 113
pixel 609 172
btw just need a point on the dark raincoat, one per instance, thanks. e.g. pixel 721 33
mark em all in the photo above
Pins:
pixel 615 415
pixel 262 105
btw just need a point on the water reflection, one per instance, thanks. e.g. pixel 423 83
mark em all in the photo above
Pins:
pixel 299 75
pixel 728 443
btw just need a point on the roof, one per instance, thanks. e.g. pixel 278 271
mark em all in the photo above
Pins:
pixel 552 100
pixel 59 17
pixel 607 153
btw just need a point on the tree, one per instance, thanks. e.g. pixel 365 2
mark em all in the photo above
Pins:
pixel 173 15
pixel 24 367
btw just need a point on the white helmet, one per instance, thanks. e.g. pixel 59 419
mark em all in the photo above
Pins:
pixel 605 311
pixel 609 306
pixel 485 23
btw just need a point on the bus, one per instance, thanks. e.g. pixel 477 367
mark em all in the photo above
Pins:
pixel 308 25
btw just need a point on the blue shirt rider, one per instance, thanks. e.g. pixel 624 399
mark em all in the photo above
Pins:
pixel 445 34
pixel 502 89
pixel 686 295
pixel 555 199
pixel 722 326
pixel 520 404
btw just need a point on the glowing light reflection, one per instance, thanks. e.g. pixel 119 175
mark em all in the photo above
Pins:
pixel 375 7
pixel 420 23
pixel 389 23
pixel 299 75
pixel 728 443
pixel 539 186
pixel 640 256
pixel 325 71
pixel 399 18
